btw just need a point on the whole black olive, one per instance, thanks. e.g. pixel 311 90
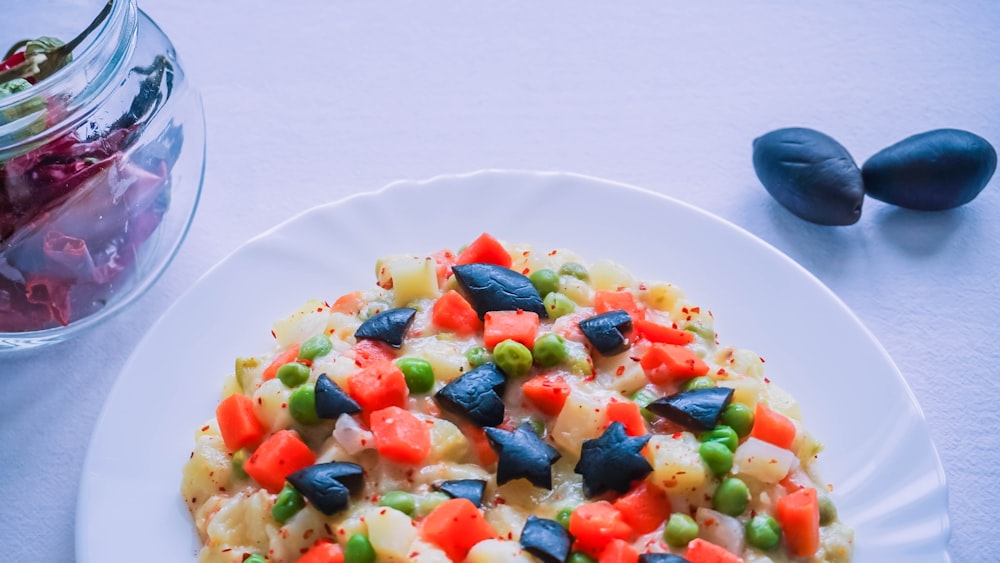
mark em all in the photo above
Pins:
pixel 810 174
pixel 936 170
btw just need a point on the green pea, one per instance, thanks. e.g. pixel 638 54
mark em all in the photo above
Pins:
pixel 359 550
pixel 578 271
pixel 239 458
pixel 731 497
pixel 563 517
pixel 557 305
pixel 550 350
pixel 400 500
pixel 739 417
pixel 288 504
pixel 763 532
pixel 429 501
pixel 577 557
pixel 827 511
pixel 512 357
pixel 293 374
pixel 680 530
pixel 717 457
pixel 302 405
pixel 256 559
pixel 315 347
pixel 643 397
pixel 418 372
pixel 536 425
pixel 477 356
pixel 701 382
pixel 701 330
pixel 545 281
pixel 723 434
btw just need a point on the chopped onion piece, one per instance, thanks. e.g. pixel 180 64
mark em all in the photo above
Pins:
pixel 720 529
pixel 763 461
pixel 351 436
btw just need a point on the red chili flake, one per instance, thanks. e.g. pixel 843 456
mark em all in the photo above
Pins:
pixel 319 309
pixel 553 252
pixel 710 521
pixel 722 371
pixel 501 500
pixel 526 271
pixel 211 473
pixel 526 253
pixel 642 286
pixel 284 405
pixel 634 358
pixel 326 526
pixel 762 360
pixel 341 531
pixel 689 317
pixel 307 363
pixel 773 461
pixel 382 512
pixel 194 500
pixel 695 309
pixel 260 401
pixel 227 550
pixel 590 378
pixel 677 435
pixel 684 310
pixel 191 456
pixel 620 371
pixel 766 380
pixel 204 428
pixel 414 554
pixel 273 335
pixel 510 535
pixel 306 535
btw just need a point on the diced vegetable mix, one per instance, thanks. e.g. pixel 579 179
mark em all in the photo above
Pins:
pixel 458 426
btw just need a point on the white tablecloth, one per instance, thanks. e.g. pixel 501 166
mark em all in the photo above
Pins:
pixel 308 101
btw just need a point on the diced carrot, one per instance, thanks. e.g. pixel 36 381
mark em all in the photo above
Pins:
pixel 367 352
pixel 288 356
pixel 547 392
pixel 594 524
pixel 520 326
pixel 605 301
pixel 452 312
pixel 667 362
pixel 701 551
pixel 400 436
pixel 772 427
pixel 662 334
pixel 798 515
pixel 444 259
pixel 628 414
pixel 619 551
pixel 480 444
pixel 282 454
pixel 485 249
pixel 349 303
pixel 323 551
pixel 644 508
pixel 456 526
pixel 379 385
pixel 238 423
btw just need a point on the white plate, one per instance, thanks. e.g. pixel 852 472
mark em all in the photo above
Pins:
pixel 889 483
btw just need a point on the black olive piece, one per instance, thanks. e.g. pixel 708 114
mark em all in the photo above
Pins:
pixel 810 174
pixel 546 539
pixel 661 558
pixel 476 395
pixel 932 171
pixel 331 400
pixel 612 461
pixel 329 486
pixel 494 288
pixel 697 409
pixel 388 326
pixel 607 331
pixel 469 489
pixel 522 453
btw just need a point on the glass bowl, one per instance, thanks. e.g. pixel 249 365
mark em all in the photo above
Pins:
pixel 102 158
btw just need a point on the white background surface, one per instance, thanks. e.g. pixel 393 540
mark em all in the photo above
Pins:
pixel 308 101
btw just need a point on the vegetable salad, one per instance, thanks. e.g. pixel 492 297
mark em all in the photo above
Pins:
pixel 507 404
